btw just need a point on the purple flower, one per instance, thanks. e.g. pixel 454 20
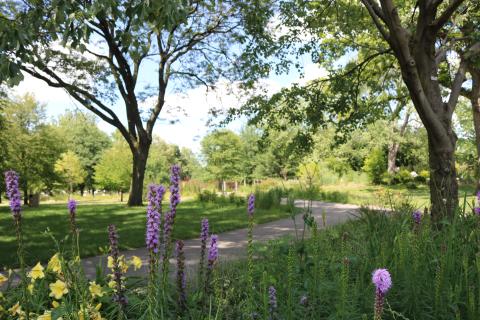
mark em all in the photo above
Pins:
pixel 119 295
pixel 167 228
pixel 382 280
pixel 72 209
pixel 213 251
pixel 155 196
pixel 174 189
pixel 304 301
pixel 203 238
pixel 272 300
pixel 13 193
pixel 181 278
pixel 204 232
pixel 251 205
pixel 417 216
pixel 477 211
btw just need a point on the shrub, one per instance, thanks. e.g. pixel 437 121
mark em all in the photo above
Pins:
pixel 375 165
pixel 269 199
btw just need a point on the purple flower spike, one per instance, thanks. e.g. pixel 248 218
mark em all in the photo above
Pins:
pixel 417 216
pixel 382 280
pixel 251 205
pixel 477 211
pixel 72 209
pixel 213 251
pixel 13 193
pixel 155 195
pixel 204 232
pixel 174 189
pixel 181 277
pixel 272 300
pixel 304 301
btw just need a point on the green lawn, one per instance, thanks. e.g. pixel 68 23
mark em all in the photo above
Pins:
pixel 93 220
pixel 385 196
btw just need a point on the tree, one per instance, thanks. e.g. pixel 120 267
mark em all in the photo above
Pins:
pixel 113 171
pixel 415 46
pixel 70 169
pixel 107 45
pixel 222 152
pixel 31 145
pixel 81 135
pixel 413 34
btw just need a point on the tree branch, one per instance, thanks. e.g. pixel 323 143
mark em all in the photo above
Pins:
pixel 438 23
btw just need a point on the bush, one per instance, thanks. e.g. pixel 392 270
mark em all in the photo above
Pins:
pixel 375 165
pixel 268 199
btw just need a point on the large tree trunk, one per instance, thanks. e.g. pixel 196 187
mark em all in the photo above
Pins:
pixel 140 156
pixel 475 101
pixel 443 180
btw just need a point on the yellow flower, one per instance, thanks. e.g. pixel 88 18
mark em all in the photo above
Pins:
pixel 81 314
pixel 54 264
pixel 37 272
pixel 95 289
pixel 30 288
pixel 112 284
pixel 46 316
pixel 136 262
pixel 15 309
pixel 110 262
pixel 3 279
pixel 55 304
pixel 122 264
pixel 58 289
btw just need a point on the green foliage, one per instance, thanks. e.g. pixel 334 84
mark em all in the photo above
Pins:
pixel 80 134
pixel 375 165
pixel 70 169
pixel 222 152
pixel 114 169
pixel 31 146
pixel 269 199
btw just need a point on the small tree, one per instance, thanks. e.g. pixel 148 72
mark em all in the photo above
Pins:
pixel 70 169
pixel 222 152
pixel 113 171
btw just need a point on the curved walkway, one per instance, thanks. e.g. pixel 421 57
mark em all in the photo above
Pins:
pixel 232 244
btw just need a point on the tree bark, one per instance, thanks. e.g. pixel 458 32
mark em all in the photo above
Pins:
pixel 443 181
pixel 475 102
pixel 416 55
pixel 121 195
pixel 140 155
pixel 395 146
pixel 392 157
pixel 25 193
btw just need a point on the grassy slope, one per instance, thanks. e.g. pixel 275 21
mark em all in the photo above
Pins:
pixel 365 194
pixel 93 219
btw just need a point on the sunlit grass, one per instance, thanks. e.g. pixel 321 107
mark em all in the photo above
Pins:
pixel 93 220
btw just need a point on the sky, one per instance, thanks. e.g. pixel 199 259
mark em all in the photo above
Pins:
pixel 189 109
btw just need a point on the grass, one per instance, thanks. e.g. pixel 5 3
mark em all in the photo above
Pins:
pixel 379 195
pixel 93 219
pixel 435 273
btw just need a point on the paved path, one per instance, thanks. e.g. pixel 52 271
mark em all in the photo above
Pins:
pixel 232 244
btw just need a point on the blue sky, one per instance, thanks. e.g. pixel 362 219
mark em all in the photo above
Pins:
pixel 190 108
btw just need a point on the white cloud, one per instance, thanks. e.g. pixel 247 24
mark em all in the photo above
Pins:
pixel 183 120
